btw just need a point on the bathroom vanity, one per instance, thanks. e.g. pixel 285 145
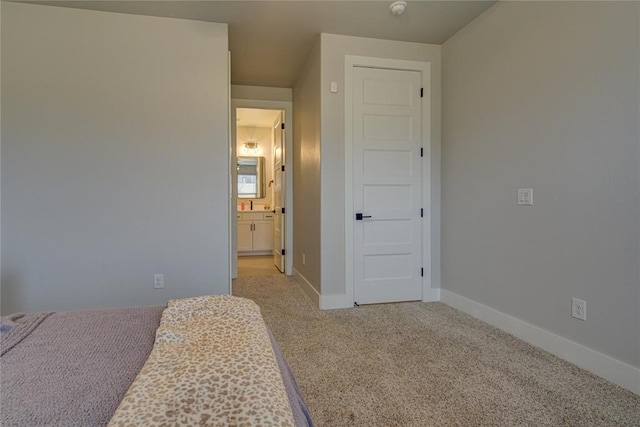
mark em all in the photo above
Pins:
pixel 255 233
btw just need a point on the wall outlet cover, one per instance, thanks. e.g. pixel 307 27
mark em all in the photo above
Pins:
pixel 158 281
pixel 579 309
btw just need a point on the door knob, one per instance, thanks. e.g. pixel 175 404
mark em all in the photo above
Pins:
pixel 360 217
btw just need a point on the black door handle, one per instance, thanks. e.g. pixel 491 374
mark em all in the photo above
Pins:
pixel 360 217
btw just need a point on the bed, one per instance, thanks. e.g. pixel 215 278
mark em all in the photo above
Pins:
pixel 199 361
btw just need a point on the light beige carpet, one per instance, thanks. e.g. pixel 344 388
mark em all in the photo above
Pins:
pixel 426 364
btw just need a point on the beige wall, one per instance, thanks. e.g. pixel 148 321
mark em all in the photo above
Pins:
pixel 261 93
pixel 545 95
pixel 306 170
pixel 334 49
pixel 114 158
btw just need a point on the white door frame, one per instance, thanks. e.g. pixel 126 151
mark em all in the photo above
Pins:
pixel 287 106
pixel 424 68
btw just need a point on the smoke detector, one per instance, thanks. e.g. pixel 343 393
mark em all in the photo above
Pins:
pixel 398 7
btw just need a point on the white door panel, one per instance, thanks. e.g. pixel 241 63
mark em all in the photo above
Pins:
pixel 391 232
pixel 378 91
pixel 387 174
pixel 387 197
pixel 379 267
pixel 396 129
pixel 279 195
pixel 398 162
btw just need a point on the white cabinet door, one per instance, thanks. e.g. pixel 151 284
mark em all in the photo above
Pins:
pixel 245 236
pixel 262 235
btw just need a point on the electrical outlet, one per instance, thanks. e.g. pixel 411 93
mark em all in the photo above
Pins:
pixel 579 309
pixel 158 281
pixel 304 259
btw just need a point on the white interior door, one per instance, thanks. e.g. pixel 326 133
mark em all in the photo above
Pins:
pixel 387 174
pixel 278 195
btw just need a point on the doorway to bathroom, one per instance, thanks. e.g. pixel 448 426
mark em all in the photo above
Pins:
pixel 261 195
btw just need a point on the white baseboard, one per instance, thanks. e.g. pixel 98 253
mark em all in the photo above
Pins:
pixel 431 295
pixel 329 302
pixel 323 302
pixel 611 369
pixel 255 253
pixel 307 287
pixel 336 301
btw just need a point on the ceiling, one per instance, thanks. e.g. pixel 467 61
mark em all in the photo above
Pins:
pixel 270 40
pixel 253 117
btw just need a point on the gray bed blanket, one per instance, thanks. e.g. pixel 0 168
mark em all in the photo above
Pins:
pixel 16 327
pixel 74 367
pixel 301 414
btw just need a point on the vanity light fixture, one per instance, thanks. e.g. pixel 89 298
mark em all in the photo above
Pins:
pixel 251 147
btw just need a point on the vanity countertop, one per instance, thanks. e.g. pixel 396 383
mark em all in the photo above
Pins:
pixel 255 210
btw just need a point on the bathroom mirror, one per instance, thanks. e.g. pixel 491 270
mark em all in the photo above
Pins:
pixel 251 183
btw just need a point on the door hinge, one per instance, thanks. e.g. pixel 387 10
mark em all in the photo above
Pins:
pixel 282 125
pixel 421 212
pixel 422 272
pixel 421 92
pixel 283 210
pixel 282 252
pixel 421 152
pixel 282 168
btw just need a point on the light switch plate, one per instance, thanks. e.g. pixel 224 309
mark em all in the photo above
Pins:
pixel 334 87
pixel 525 196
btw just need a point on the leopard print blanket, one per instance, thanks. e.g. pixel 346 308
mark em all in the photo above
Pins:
pixel 212 364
